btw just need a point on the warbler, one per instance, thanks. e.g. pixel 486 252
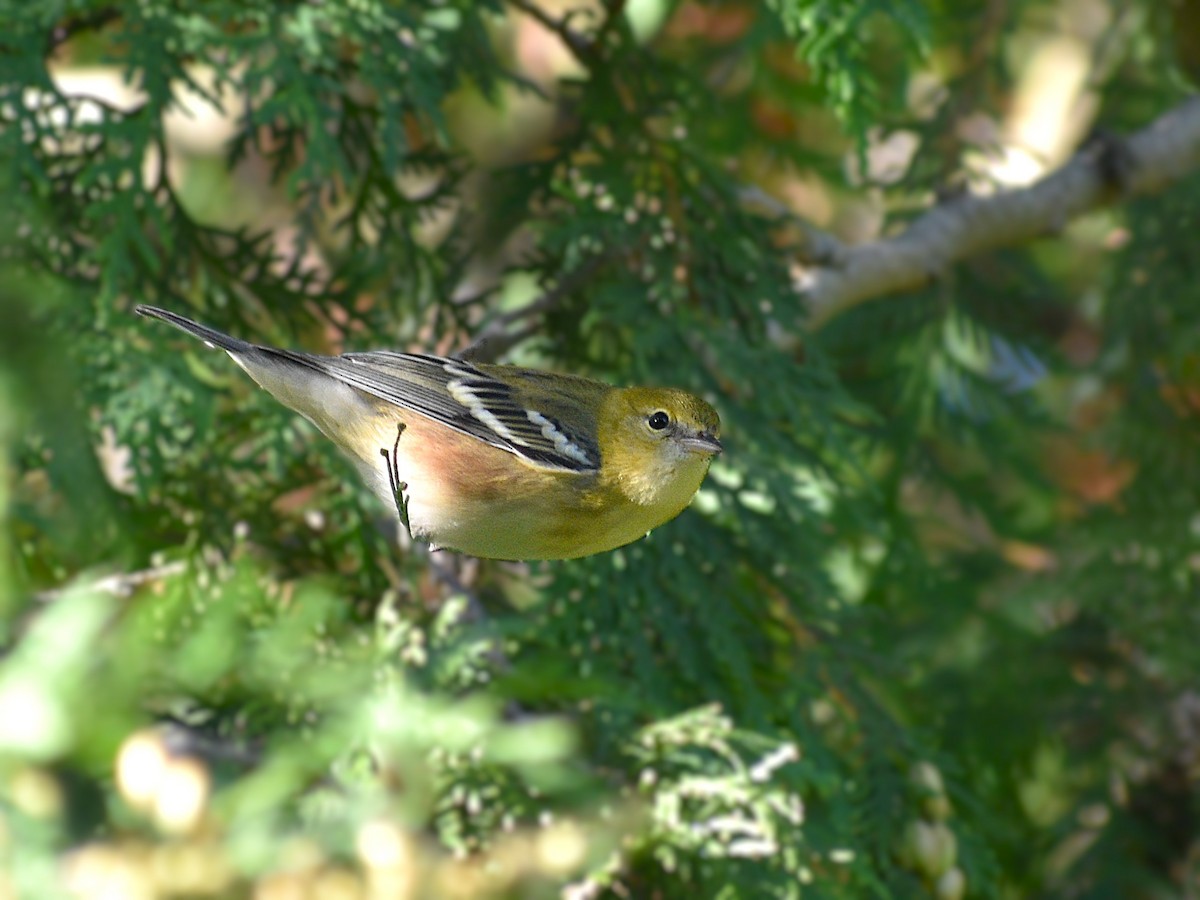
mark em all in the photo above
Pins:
pixel 495 461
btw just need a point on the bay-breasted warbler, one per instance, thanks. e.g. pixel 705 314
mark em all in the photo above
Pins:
pixel 495 461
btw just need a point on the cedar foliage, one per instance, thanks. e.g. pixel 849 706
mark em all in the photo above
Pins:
pixel 934 610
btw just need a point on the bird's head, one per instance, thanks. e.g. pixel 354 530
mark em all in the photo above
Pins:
pixel 657 444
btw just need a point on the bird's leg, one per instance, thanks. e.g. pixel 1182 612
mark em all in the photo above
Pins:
pixel 398 487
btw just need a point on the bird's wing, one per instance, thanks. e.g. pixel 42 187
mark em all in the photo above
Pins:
pixel 542 425
pixel 473 402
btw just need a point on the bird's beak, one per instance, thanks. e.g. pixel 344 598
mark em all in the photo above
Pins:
pixel 702 442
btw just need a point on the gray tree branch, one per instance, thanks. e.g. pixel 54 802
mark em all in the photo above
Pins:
pixel 1105 171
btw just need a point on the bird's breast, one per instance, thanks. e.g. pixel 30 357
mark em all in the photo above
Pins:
pixel 467 495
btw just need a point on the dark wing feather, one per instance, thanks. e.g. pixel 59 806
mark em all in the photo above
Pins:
pixel 449 391
pixel 467 399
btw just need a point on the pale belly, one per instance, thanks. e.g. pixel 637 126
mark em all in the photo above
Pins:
pixel 464 494
pixel 489 503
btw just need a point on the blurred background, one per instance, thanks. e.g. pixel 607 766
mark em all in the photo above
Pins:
pixel 928 630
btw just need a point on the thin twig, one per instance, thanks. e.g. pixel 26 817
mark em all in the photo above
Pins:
pixel 817 247
pixel 500 334
pixel 579 46
pixel 397 486
pixel 122 584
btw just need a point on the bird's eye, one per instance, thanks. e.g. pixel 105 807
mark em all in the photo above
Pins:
pixel 659 420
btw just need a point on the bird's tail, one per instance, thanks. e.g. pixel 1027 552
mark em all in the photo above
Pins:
pixel 249 356
pixel 304 382
pixel 208 335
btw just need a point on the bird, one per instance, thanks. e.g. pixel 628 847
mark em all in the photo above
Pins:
pixel 494 461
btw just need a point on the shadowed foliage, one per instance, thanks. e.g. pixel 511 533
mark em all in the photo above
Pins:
pixel 928 628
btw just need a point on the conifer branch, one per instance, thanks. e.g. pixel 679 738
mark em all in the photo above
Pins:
pixel 575 42
pixel 511 328
pixel 1105 171
pixel 582 47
